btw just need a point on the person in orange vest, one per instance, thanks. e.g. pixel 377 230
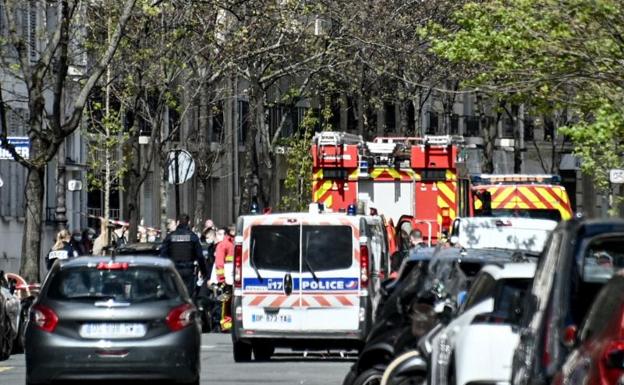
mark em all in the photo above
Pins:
pixel 224 271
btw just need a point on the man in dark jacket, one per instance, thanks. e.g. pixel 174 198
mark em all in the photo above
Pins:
pixel 182 246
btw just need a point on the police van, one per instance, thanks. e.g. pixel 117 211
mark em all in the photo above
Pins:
pixel 305 281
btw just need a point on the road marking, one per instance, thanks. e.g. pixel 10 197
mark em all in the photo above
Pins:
pixel 207 347
pixel 5 368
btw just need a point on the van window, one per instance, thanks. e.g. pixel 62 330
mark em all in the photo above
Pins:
pixel 328 247
pixel 275 247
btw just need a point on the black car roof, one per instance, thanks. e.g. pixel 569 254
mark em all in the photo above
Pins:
pixel 131 259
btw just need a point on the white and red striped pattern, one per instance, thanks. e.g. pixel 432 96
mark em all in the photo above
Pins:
pixel 306 300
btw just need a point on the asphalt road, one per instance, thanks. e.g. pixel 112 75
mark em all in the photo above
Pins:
pixel 218 367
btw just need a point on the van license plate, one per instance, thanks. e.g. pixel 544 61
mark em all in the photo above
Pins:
pixel 112 330
pixel 272 318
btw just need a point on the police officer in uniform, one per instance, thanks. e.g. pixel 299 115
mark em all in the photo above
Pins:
pixel 182 246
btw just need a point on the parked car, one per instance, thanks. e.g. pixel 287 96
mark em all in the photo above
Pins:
pixel 478 345
pixel 123 318
pixel 598 358
pixel 579 258
pixel 447 276
pixel 9 317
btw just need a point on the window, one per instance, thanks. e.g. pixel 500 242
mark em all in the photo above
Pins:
pixel 482 289
pixel 327 247
pixel 136 284
pixel 509 294
pixel 552 214
pixel 471 126
pixel 603 256
pixel 275 248
pixel 324 248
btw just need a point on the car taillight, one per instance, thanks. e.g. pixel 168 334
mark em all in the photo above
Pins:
pixel 112 266
pixel 238 266
pixel 612 366
pixel 44 318
pixel 364 266
pixel 180 317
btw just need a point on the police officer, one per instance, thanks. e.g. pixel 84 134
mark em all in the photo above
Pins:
pixel 182 246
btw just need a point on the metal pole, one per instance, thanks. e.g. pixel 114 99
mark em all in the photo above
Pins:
pixel 177 183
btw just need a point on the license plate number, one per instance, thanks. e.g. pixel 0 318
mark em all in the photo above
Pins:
pixel 272 318
pixel 112 330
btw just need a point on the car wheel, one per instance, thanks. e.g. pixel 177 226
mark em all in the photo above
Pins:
pixel 7 339
pixel 369 377
pixel 263 352
pixel 242 352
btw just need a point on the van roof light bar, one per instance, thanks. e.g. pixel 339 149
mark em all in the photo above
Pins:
pixel 334 138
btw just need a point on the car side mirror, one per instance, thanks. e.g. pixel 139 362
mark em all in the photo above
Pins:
pixel 570 335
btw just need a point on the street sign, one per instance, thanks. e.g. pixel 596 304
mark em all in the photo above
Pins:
pixel 74 185
pixel 616 176
pixel 22 147
pixel 180 166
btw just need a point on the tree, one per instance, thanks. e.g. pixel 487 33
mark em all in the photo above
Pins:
pixel 561 58
pixel 51 117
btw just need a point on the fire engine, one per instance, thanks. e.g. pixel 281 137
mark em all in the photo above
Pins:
pixel 411 181
pixel 423 183
pixel 533 196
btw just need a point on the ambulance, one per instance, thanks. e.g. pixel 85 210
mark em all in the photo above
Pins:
pixel 305 281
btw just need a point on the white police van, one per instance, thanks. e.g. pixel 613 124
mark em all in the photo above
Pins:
pixel 305 281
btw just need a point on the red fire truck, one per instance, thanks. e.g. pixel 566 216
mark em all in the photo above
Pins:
pixel 411 181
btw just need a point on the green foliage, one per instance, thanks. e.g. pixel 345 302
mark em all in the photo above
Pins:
pixel 106 139
pixel 298 182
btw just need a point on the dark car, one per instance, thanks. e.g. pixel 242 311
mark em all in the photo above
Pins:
pixel 99 318
pixel 448 273
pixel 599 355
pixel 578 260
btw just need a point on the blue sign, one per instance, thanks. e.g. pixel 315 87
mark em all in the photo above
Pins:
pixel 307 284
pixel 22 147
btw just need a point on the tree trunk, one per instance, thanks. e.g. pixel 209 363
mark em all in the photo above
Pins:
pixel 61 196
pixel 517 138
pixel 200 203
pixel 488 132
pixel 31 241
pixel 402 129
pixel 263 162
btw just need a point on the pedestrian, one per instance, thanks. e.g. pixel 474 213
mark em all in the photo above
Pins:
pixel 416 239
pixel 101 242
pixel 224 271
pixel 182 246
pixel 76 242
pixel 210 244
pixel 62 249
pixel 208 225
pixel 88 235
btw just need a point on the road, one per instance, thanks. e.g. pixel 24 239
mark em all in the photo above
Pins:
pixel 218 367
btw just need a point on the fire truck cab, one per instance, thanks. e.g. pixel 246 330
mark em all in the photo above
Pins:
pixel 517 195
pixel 411 181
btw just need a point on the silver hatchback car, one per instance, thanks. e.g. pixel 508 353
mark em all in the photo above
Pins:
pixel 98 318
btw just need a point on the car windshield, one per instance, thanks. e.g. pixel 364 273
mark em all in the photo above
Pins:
pixel 278 247
pixel 603 256
pixel 135 284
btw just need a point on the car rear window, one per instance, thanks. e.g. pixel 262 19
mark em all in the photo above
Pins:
pixel 510 294
pixel 324 247
pixel 135 284
pixel 603 256
pixel 328 247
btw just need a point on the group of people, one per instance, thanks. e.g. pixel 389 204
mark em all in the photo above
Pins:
pixel 184 247
pixel 69 245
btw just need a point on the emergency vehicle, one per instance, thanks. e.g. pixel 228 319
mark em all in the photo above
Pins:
pixel 411 181
pixel 305 281
pixel 529 196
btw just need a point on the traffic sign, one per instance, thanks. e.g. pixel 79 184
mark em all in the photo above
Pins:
pixel 616 176
pixel 180 166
